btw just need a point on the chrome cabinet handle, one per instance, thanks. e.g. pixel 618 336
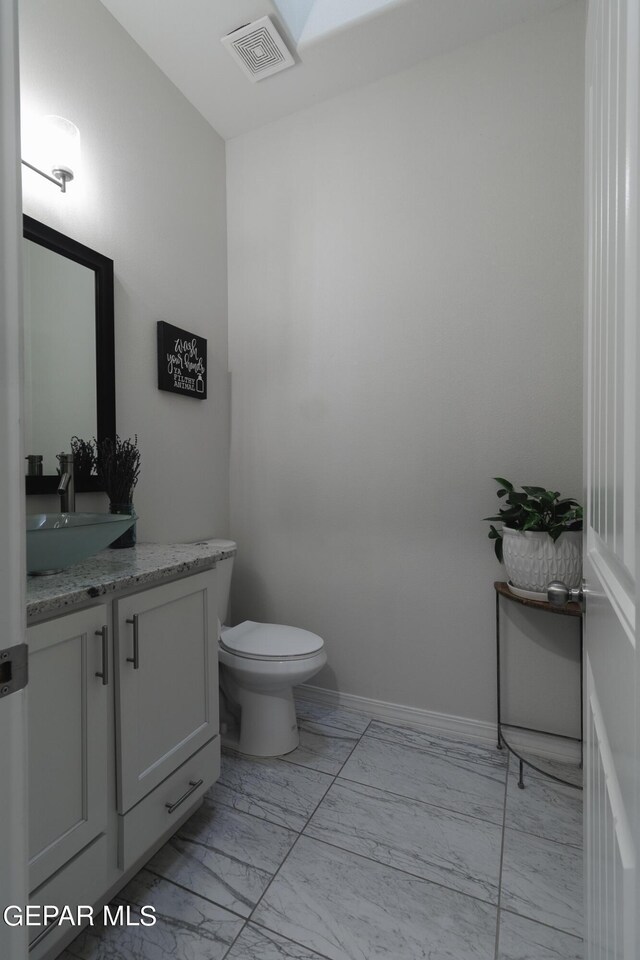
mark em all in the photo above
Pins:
pixel 104 633
pixel 135 659
pixel 193 786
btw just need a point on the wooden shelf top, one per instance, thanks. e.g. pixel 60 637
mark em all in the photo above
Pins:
pixel 571 609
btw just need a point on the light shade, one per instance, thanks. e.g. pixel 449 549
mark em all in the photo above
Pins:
pixel 60 146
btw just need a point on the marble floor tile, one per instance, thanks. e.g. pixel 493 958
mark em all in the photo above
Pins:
pixel 283 793
pixel 332 716
pixel 522 939
pixel 322 747
pixel 187 927
pixel 448 746
pixel 429 842
pixel 224 855
pixel 544 807
pixel 256 943
pixel 452 781
pixel 559 768
pixel 542 880
pixel 346 907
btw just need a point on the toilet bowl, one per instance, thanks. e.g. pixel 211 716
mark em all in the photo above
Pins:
pixel 260 664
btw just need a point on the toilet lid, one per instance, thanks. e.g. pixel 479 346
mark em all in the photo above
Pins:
pixel 266 641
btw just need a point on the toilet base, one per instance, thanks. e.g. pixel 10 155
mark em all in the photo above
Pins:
pixel 259 696
pixel 262 743
pixel 268 725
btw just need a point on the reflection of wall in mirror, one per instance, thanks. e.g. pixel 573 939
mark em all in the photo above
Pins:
pixel 60 352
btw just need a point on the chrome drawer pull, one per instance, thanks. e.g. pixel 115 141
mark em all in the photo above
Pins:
pixel 104 633
pixel 193 786
pixel 135 659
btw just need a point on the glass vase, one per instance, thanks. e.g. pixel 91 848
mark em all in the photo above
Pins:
pixel 128 538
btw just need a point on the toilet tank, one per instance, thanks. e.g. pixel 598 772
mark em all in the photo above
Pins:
pixel 223 585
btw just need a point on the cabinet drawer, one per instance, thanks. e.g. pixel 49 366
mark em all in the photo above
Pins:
pixel 160 811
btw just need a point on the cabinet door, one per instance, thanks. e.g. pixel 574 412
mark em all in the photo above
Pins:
pixel 167 694
pixel 68 716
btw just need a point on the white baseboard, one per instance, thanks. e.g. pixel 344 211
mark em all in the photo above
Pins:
pixel 432 722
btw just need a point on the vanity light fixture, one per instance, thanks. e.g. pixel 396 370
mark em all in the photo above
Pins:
pixel 60 148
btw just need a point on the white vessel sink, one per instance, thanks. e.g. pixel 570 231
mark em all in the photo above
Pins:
pixel 58 540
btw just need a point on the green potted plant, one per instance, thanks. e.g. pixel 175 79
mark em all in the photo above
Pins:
pixel 540 539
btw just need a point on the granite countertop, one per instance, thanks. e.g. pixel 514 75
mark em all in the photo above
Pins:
pixel 112 571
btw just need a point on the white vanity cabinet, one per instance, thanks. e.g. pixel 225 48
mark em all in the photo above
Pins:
pixel 166 706
pixel 123 736
pixel 67 720
pixel 167 689
pixel 69 701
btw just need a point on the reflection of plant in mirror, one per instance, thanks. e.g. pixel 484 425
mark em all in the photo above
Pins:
pixel 84 457
pixel 119 468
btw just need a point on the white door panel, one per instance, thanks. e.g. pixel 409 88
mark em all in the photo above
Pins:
pixel 610 862
pixel 611 478
pixel 612 658
pixel 13 752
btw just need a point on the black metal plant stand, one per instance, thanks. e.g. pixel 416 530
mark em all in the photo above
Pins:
pixel 571 609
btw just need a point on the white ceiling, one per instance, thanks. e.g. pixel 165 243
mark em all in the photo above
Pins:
pixel 184 41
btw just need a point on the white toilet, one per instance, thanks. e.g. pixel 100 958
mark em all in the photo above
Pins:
pixel 260 664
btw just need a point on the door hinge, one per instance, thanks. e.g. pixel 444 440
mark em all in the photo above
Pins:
pixel 14 669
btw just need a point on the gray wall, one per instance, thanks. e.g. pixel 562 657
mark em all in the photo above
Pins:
pixel 405 299
pixel 150 194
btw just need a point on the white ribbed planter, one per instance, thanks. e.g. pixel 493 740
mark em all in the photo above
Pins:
pixel 533 560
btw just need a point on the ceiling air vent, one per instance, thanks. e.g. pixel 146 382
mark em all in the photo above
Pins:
pixel 259 49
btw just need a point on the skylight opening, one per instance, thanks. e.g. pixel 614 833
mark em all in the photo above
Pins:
pixel 311 20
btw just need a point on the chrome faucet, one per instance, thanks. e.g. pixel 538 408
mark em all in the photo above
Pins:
pixel 66 487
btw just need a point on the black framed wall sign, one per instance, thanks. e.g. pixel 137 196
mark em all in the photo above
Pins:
pixel 182 361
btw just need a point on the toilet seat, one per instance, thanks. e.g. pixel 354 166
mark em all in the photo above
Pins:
pixel 269 641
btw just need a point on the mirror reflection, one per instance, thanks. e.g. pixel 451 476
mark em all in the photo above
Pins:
pixel 60 399
pixel 69 365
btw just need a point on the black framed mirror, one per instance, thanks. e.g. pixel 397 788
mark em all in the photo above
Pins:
pixel 69 349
